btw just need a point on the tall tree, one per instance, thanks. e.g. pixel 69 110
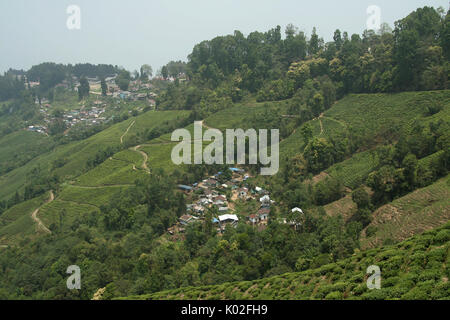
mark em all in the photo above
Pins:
pixel 337 39
pixel 104 87
pixel 123 80
pixel 146 72
pixel 314 42
pixel 83 88
pixel 164 72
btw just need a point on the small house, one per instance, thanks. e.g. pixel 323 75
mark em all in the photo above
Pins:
pixel 221 198
pixel 242 193
pixel 185 188
pixel 259 190
pixel 211 182
pixel 199 209
pixel 265 201
pixel 228 218
pixel 263 214
pixel 253 218
pixel 187 219
pixel 219 203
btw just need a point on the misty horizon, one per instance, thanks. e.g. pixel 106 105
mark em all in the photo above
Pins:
pixel 36 32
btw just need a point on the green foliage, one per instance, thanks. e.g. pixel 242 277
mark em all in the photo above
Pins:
pixel 123 80
pixel 351 283
pixel 361 198
pixel 320 154
pixel 111 213
pixel 83 89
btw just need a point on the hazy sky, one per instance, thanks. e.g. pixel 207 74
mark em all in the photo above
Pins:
pixel 133 32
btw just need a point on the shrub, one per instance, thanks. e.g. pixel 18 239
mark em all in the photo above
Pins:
pixel 390 282
pixel 415 294
pixel 359 290
pixel 429 275
pixel 441 290
pixel 375 294
pixel 340 286
pixel 335 295
pixel 442 237
pixel 399 290
pixel 437 255
pixel 323 291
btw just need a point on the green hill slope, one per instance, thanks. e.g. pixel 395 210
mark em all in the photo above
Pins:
pixel 384 112
pixel 19 147
pixel 414 269
pixel 74 156
pixel 423 209
pixel 83 192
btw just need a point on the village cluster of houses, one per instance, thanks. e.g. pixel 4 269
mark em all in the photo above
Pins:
pixel 134 96
pixel 137 90
pixel 89 117
pixel 93 115
pixel 182 77
pixel 38 129
pixel 212 195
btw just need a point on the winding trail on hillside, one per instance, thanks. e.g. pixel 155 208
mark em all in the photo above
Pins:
pixel 342 123
pixel 144 155
pixel 126 131
pixel 320 121
pixel 38 221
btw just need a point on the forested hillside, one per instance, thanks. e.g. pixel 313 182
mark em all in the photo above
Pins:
pixel 364 126
pixel 415 269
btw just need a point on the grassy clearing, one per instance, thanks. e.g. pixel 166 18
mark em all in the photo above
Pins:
pixel 236 116
pixel 16 222
pixel 92 196
pixel 345 207
pixel 110 172
pixel 51 213
pixel 159 156
pixel 332 127
pixel 375 114
pixel 22 146
pixel 354 171
pixel 414 213
pixel 294 144
pixel 152 119
pixel 129 156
